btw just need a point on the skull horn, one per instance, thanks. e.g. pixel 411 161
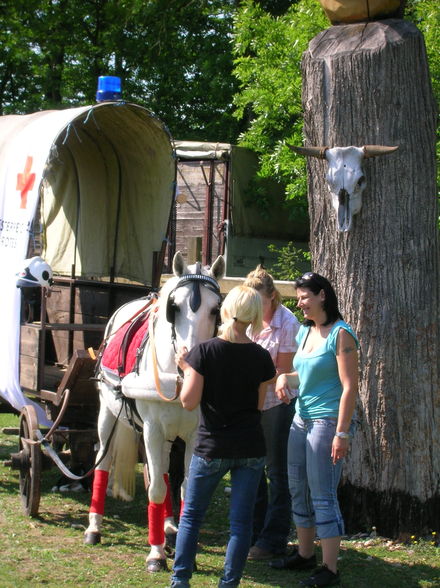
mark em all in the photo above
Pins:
pixel 310 151
pixel 374 150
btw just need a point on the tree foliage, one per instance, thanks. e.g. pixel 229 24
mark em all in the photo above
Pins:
pixel 173 57
pixel 291 262
pixel 268 51
pixel 426 15
pixel 191 62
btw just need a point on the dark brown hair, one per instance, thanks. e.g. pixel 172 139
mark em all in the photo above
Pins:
pixel 315 283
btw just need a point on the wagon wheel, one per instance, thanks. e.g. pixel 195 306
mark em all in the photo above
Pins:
pixel 30 462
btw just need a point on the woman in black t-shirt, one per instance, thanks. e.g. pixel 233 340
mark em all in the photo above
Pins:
pixel 227 377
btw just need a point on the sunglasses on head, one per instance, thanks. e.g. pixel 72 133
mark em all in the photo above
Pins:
pixel 310 276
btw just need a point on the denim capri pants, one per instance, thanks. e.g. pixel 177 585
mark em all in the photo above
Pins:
pixel 313 478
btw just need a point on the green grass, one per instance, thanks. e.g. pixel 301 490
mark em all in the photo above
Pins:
pixel 49 550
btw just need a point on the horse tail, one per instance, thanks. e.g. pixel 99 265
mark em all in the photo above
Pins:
pixel 125 458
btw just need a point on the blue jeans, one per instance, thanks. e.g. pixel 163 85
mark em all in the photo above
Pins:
pixel 204 477
pixel 272 514
pixel 313 479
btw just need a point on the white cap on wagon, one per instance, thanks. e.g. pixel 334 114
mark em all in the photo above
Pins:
pixel 35 273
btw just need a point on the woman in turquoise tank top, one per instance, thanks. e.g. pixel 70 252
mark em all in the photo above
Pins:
pixel 326 374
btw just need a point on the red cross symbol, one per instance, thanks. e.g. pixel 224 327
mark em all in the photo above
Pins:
pixel 25 181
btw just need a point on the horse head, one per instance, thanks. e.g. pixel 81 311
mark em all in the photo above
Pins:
pixel 190 301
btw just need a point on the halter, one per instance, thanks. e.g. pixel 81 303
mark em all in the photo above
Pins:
pixel 195 280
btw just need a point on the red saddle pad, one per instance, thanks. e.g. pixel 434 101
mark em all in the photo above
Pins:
pixel 120 354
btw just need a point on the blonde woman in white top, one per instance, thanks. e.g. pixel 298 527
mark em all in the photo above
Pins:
pixel 272 514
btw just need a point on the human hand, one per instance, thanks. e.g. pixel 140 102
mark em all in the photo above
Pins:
pixel 339 449
pixel 180 356
pixel 282 388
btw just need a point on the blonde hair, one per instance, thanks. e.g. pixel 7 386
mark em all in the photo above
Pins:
pixel 241 304
pixel 262 281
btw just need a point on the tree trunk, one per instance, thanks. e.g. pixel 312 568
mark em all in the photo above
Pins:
pixel 369 84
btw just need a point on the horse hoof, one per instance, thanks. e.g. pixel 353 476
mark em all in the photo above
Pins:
pixel 92 538
pixel 156 565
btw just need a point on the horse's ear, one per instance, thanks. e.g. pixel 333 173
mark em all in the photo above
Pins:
pixel 179 265
pixel 218 268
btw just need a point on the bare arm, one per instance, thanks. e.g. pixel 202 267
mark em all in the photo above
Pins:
pixel 192 387
pixel 285 383
pixel 283 363
pixel 191 393
pixel 347 360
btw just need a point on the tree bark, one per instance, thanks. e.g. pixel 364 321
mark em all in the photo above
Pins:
pixel 369 84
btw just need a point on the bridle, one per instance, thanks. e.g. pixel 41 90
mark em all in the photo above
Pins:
pixel 196 280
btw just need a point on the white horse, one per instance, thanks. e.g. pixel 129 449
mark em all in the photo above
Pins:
pixel 186 313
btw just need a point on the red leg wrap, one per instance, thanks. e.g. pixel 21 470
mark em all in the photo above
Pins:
pixel 156 534
pixel 100 482
pixel 168 512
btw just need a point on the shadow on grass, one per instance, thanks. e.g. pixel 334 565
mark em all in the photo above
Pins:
pixel 120 518
pixel 67 510
pixel 120 531
pixel 9 487
pixel 358 570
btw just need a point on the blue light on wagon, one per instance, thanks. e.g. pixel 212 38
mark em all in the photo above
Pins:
pixel 109 88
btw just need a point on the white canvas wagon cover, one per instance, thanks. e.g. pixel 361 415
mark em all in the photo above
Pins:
pixel 105 179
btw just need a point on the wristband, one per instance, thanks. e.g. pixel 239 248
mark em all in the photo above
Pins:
pixel 342 435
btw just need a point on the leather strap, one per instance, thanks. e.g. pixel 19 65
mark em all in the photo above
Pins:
pixel 156 370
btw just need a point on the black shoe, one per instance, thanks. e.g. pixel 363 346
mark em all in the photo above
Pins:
pixel 294 562
pixel 321 577
pixel 259 553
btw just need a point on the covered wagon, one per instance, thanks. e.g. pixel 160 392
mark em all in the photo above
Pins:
pixel 90 190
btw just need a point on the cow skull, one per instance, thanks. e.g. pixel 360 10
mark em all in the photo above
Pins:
pixel 345 178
